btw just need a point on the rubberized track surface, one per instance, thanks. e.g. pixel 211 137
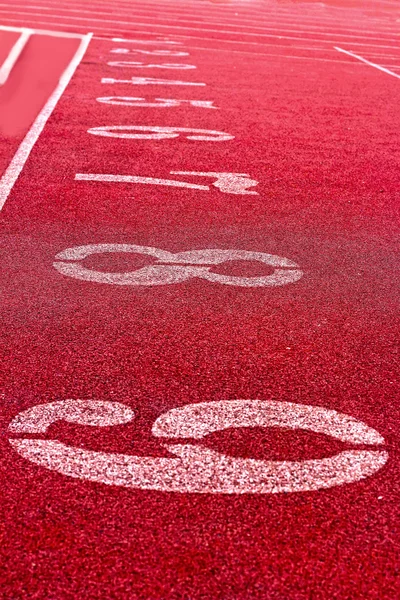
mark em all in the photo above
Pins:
pixel 317 130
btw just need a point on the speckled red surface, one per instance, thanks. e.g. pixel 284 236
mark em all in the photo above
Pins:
pixel 322 140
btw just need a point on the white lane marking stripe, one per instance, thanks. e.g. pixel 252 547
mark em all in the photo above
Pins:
pixel 223 31
pixel 197 37
pixel 21 156
pixel 40 31
pixel 367 62
pixel 156 17
pixel 14 55
pixel 254 16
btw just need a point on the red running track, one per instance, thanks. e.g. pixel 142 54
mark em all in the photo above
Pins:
pixel 318 130
pixel 29 85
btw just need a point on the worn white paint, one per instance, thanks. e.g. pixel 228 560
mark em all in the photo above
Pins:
pixel 168 269
pixel 196 468
pixel 82 412
pixel 199 420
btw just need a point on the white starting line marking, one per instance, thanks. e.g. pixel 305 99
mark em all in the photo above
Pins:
pixel 367 62
pixel 285 271
pixel 199 469
pixel 14 55
pixel 17 164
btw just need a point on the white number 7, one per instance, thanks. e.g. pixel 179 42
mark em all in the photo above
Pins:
pixel 228 183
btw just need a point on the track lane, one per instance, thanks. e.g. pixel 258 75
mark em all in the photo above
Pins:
pixel 328 340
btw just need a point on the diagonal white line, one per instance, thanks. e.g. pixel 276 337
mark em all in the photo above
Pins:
pixel 367 62
pixel 14 55
pixel 21 156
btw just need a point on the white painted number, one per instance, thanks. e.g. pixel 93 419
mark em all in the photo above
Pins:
pixel 140 65
pixel 148 52
pixel 168 267
pixel 228 183
pixel 157 103
pixel 130 132
pixel 196 468
pixel 149 81
pixel 148 42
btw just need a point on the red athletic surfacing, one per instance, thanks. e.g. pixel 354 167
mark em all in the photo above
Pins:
pixel 321 140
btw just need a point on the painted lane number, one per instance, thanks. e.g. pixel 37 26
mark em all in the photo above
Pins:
pixel 196 468
pixel 172 268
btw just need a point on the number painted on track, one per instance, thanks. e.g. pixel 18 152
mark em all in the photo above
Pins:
pixel 140 65
pixel 148 52
pixel 228 183
pixel 130 132
pixel 198 469
pixel 156 103
pixel 149 81
pixel 148 42
pixel 68 263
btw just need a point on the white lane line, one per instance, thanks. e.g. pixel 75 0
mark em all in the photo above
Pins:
pixel 21 156
pixel 200 30
pixel 289 27
pixel 367 62
pixel 210 11
pixel 227 8
pixel 14 55
pixel 233 19
pixel 40 31
pixel 117 30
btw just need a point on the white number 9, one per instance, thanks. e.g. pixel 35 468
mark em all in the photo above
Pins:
pixel 196 468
